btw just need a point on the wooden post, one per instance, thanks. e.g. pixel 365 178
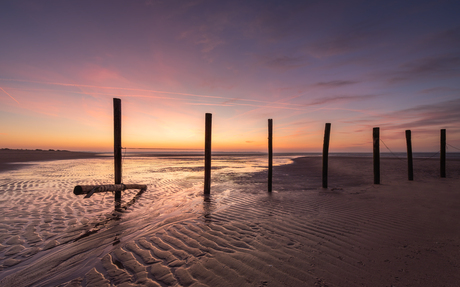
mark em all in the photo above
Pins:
pixel 207 154
pixel 117 143
pixel 327 133
pixel 376 138
pixel 410 166
pixel 443 153
pixel 270 154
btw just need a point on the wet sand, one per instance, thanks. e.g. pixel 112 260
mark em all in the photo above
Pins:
pixel 354 233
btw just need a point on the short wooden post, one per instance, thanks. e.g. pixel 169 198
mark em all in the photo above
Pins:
pixel 207 154
pixel 410 166
pixel 376 153
pixel 443 153
pixel 270 154
pixel 117 143
pixel 327 133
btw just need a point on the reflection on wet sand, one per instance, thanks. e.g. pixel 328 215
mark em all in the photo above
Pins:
pixel 44 225
pixel 118 211
pixel 207 208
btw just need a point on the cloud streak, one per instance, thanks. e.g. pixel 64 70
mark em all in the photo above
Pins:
pixel 436 115
pixel 9 95
pixel 328 100
pixel 284 63
pixel 428 67
pixel 334 84
pixel 146 91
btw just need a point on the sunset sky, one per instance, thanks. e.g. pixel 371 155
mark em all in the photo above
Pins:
pixel 355 64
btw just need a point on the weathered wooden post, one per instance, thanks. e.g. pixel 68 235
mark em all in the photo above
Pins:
pixel 117 144
pixel 207 154
pixel 118 187
pixel 376 153
pixel 443 153
pixel 327 133
pixel 410 166
pixel 270 154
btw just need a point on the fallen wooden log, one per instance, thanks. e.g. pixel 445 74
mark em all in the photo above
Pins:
pixel 91 189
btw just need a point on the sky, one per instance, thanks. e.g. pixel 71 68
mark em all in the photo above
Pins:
pixel 354 64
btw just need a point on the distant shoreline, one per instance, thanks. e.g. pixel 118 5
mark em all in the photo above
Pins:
pixel 11 158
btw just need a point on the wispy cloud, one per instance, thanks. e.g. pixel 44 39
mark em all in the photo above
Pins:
pixel 439 66
pixel 445 39
pixel 334 84
pixel 147 93
pixel 357 34
pixel 437 115
pixel 284 63
pixel 328 100
pixel 423 117
pixel 436 90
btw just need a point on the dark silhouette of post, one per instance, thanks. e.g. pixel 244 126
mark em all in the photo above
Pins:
pixel 207 154
pixel 270 154
pixel 410 166
pixel 443 153
pixel 117 143
pixel 376 153
pixel 327 133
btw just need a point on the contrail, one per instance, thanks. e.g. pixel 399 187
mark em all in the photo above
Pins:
pixel 148 90
pixel 9 95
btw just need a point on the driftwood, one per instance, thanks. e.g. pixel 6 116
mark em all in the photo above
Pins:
pixel 91 189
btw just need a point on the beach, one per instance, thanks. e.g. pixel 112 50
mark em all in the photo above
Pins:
pixel 354 233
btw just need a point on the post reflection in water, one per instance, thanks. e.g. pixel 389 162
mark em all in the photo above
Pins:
pixel 115 216
pixel 117 203
pixel 119 208
pixel 208 207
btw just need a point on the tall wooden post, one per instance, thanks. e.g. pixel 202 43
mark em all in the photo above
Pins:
pixel 270 154
pixel 443 153
pixel 410 166
pixel 327 133
pixel 207 154
pixel 376 139
pixel 117 143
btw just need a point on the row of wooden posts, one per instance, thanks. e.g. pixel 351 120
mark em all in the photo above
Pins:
pixel 376 154
pixel 327 133
pixel 118 186
pixel 410 164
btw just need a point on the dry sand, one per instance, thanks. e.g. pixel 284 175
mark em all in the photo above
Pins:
pixel 354 233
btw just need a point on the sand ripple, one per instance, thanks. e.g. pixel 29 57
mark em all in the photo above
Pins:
pixel 300 235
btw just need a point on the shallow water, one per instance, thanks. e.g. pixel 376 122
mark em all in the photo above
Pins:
pixel 40 213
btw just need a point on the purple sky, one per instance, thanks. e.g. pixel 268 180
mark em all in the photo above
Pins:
pixel 355 64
